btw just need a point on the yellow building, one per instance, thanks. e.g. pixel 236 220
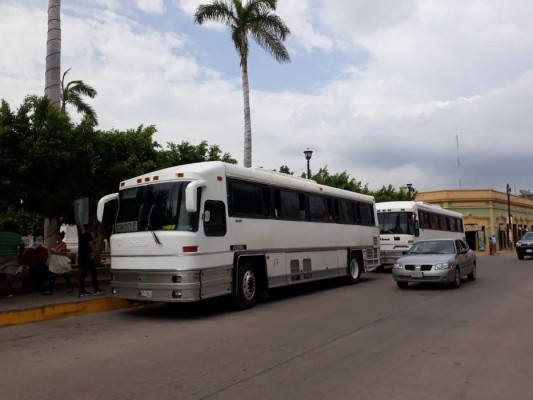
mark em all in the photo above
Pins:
pixel 486 213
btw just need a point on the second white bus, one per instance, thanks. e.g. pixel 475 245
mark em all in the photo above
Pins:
pixel 403 223
pixel 202 230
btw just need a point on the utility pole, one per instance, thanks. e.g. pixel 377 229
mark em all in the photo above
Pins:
pixel 509 222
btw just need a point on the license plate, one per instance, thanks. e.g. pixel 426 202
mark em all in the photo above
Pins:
pixel 417 274
pixel 529 251
pixel 145 293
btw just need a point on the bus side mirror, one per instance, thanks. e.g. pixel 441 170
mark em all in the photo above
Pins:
pixel 101 205
pixel 191 195
pixel 417 231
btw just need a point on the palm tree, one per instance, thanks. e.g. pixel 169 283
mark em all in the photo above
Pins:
pixel 72 94
pixel 53 52
pixel 51 90
pixel 255 19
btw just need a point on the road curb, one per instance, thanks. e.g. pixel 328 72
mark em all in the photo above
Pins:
pixel 43 313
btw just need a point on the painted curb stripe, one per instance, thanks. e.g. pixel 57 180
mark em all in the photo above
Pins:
pixel 61 310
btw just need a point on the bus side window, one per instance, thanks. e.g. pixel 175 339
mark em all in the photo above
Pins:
pixel 214 218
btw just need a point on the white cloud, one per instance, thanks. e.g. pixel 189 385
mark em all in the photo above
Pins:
pixel 151 6
pixel 433 70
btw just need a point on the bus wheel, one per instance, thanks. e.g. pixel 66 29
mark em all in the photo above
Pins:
pixel 247 288
pixel 354 271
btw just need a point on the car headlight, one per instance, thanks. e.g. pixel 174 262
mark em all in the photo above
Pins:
pixel 518 244
pixel 443 266
pixel 397 266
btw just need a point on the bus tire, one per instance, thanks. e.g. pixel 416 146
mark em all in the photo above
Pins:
pixel 354 270
pixel 247 287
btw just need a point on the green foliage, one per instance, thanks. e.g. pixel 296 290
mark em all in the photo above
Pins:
pixel 24 222
pixel 285 170
pixel 186 153
pixel 388 193
pixel 340 180
pixel 46 162
pixel 72 94
pixel 253 18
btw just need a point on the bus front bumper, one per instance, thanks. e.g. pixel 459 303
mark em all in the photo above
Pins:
pixel 171 286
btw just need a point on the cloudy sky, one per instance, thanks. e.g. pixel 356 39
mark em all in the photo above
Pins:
pixel 437 93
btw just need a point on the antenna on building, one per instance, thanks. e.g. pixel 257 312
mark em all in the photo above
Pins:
pixel 458 159
pixel 526 193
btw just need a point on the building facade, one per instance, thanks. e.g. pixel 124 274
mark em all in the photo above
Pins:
pixel 486 213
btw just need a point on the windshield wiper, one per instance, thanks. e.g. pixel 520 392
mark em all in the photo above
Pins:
pixel 156 239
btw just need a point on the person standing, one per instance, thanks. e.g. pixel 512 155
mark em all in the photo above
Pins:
pixel 11 250
pixel 492 245
pixel 87 255
pixel 59 264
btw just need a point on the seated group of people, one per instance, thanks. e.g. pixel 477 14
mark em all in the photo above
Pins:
pixel 36 259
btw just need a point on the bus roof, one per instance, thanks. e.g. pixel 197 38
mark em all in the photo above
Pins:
pixel 209 169
pixel 391 206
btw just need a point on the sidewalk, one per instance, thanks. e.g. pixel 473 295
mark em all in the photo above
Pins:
pixel 33 307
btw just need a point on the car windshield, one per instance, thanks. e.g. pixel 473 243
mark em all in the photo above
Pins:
pixel 528 236
pixel 433 247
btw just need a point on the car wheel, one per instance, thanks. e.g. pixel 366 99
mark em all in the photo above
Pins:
pixel 456 278
pixel 472 275
pixel 520 256
pixel 247 288
pixel 354 271
pixel 402 285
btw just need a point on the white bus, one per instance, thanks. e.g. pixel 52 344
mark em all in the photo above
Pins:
pixel 208 229
pixel 402 223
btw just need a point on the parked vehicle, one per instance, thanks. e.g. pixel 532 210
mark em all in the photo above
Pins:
pixel 438 260
pixel 197 231
pixel 403 223
pixel 524 247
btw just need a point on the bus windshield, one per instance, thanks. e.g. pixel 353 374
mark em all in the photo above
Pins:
pixel 160 206
pixel 396 223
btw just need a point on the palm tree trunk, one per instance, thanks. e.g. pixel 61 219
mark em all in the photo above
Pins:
pixel 53 53
pixel 52 91
pixel 247 118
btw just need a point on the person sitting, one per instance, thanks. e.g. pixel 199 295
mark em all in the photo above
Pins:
pixel 11 250
pixel 59 264
pixel 35 258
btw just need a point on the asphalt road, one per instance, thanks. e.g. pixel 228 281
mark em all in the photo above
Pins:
pixel 333 341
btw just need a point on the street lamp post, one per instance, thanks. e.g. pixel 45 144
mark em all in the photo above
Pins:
pixel 308 153
pixel 509 224
pixel 409 187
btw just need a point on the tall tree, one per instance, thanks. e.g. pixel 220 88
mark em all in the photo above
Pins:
pixel 72 94
pixel 255 18
pixel 53 52
pixel 51 90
